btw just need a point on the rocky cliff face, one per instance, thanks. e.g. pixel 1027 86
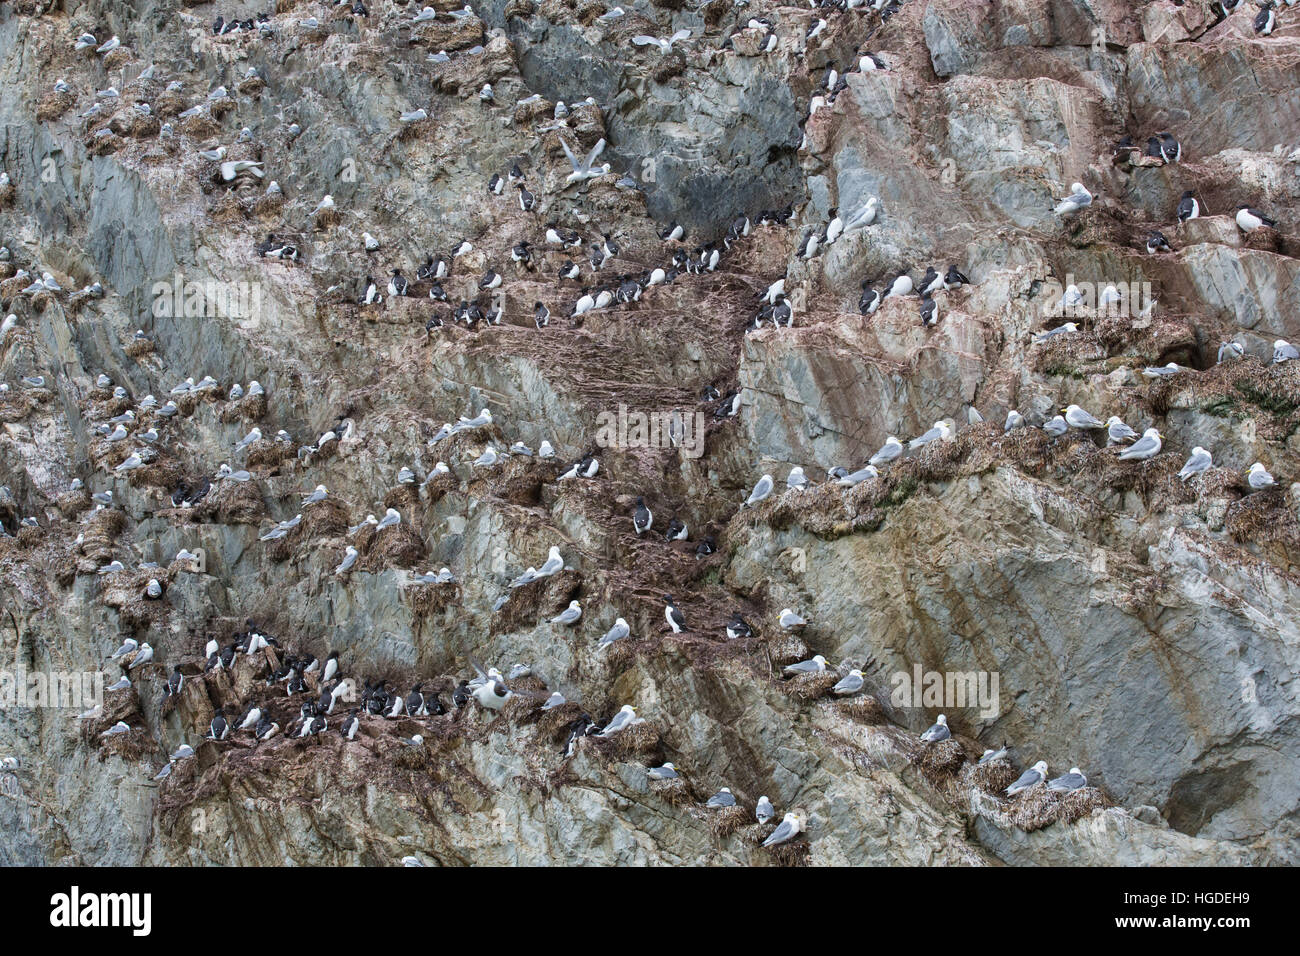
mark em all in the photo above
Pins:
pixel 1140 627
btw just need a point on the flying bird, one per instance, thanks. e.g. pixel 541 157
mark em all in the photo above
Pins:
pixel 584 170
pixel 664 46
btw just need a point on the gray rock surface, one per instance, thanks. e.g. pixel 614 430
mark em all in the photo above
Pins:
pixel 1140 627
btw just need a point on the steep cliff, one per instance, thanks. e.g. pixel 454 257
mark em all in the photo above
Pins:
pixel 1140 627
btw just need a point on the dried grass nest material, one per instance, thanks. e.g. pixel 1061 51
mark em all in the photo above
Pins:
pixel 864 708
pixel 268 454
pixel 995 776
pixel 676 791
pixel 1265 518
pixel 811 686
pixel 134 746
pixel 941 760
pixel 796 852
pixel 555 724
pixel 725 821
pixel 138 348
pixel 398 546
pixel 429 599
pixel 232 502
pixel 125 591
pixel 544 597
pixel 785 648
pixel 325 519
pixel 1039 807
pixel 403 498
pixel 640 742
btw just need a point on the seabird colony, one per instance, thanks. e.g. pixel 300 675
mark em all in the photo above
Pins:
pixel 331 698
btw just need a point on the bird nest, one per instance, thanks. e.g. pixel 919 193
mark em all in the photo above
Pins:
pixel 325 519
pixel 138 348
pixel 458 34
pixel 232 502
pixel 135 746
pixel 620 655
pixel 170 102
pixel 15 407
pixel 64 566
pixel 403 498
pixel 522 486
pixel 526 604
pixel 101 529
pixel 521 709
pixel 438 486
pixel 220 107
pixel 796 852
pixel 638 742
pixel 725 821
pixel 555 724
pixel 786 648
pixel 940 762
pixel 118 59
pixel 327 218
pixel 995 776
pixel 250 408
pixel 53 105
pixel 12 286
pixel 677 792
pixel 810 686
pixel 135 125
pixel 104 145
pixel 124 591
pixel 106 455
pixel 415 758
pixel 1248 388
pixel 395 547
pixel 161 473
pixel 269 454
pixel 229 208
pixel 1038 807
pixel 1265 520
pixel 269 206
pixel 864 709
pixel 428 599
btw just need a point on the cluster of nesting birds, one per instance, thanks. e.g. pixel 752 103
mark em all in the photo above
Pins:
pixel 1136 447
pixel 489 688
pixel 1075 779
pixel 528 256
